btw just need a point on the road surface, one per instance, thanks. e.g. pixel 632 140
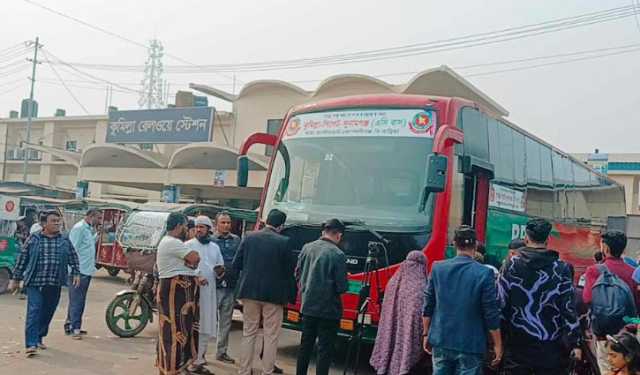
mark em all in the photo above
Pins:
pixel 103 353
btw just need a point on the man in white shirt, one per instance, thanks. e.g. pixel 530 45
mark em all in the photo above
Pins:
pixel 211 267
pixel 177 299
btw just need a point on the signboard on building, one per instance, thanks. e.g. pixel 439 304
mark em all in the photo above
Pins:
pixel 200 101
pixel 171 125
pixel 219 178
pixel 599 162
pixel 9 207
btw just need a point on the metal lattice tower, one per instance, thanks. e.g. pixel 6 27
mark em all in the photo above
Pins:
pixel 152 95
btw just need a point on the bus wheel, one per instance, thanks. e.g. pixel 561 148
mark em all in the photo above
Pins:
pixel 113 271
pixel 5 277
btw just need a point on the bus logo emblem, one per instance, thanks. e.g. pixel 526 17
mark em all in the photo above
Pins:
pixel 294 127
pixel 422 123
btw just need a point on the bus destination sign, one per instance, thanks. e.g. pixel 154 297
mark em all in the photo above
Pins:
pixel 363 123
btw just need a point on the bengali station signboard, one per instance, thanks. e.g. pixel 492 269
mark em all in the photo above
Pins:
pixel 170 125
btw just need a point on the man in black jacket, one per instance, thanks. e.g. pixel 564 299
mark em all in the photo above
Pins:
pixel 538 296
pixel 322 276
pixel 266 269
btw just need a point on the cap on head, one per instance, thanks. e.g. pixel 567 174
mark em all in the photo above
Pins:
pixel 465 237
pixel 538 230
pixel 203 220
pixel 334 225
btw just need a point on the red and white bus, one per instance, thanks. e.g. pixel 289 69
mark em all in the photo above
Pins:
pixel 410 169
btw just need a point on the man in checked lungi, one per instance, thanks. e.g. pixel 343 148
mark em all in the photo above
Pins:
pixel 177 300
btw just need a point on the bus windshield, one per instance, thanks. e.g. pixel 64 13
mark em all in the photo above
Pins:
pixel 361 165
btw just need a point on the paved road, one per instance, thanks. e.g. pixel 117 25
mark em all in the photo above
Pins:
pixel 101 352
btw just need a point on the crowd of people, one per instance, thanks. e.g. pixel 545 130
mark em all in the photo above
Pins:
pixel 201 278
pixel 523 319
pixel 528 317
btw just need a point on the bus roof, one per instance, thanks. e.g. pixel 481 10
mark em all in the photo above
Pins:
pixel 370 100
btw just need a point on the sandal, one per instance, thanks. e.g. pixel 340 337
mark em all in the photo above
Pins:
pixel 199 369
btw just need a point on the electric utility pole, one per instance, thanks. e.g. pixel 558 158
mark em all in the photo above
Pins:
pixel 25 146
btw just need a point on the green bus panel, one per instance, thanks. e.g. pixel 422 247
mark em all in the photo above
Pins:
pixel 502 227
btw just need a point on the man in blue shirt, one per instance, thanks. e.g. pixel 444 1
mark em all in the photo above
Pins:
pixel 83 238
pixel 461 305
pixel 43 268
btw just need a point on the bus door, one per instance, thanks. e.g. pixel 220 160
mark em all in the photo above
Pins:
pixel 475 165
pixel 476 200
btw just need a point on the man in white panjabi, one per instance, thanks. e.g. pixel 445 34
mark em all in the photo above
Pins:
pixel 210 268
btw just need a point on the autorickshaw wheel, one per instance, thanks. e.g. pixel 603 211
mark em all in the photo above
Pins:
pixel 5 277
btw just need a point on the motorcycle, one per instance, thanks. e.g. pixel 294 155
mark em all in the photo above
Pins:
pixel 132 309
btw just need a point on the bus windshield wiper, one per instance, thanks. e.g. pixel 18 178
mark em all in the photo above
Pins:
pixel 303 225
pixel 363 225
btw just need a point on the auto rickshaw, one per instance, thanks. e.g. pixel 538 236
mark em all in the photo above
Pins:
pixel 132 309
pixel 9 249
pixel 109 253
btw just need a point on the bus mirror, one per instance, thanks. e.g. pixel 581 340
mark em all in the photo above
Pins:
pixel 282 189
pixel 436 173
pixel 243 171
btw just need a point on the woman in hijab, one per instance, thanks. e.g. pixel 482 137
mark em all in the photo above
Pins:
pixel 398 344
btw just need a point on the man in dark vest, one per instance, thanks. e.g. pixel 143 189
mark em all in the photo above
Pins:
pixel 266 269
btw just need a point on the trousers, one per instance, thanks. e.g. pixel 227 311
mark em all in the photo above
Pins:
pixel 325 330
pixel 42 303
pixel 271 316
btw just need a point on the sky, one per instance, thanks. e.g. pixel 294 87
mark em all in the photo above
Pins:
pixel 578 106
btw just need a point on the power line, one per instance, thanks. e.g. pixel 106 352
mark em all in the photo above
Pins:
pixel 83 87
pixel 105 31
pixel 591 54
pixel 92 26
pixel 546 57
pixel 14 71
pixel 10 48
pixel 71 66
pixel 12 64
pixel 466 41
pixel 16 54
pixel 14 88
pixel 12 82
pixel 65 85
pixel 553 63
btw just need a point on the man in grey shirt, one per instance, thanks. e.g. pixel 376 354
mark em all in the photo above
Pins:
pixel 322 276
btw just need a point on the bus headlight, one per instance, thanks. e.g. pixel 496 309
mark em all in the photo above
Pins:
pixel 293 316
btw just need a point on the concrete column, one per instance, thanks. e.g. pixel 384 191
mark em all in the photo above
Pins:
pixel 47 171
pixel 95 190
pixel 101 132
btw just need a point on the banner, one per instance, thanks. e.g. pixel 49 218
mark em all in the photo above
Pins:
pixel 171 125
pixel 506 198
pixel 363 123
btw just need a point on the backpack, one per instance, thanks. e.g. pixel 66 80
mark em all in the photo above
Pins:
pixel 611 301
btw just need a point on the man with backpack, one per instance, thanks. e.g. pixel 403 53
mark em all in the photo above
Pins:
pixel 536 289
pixel 611 292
